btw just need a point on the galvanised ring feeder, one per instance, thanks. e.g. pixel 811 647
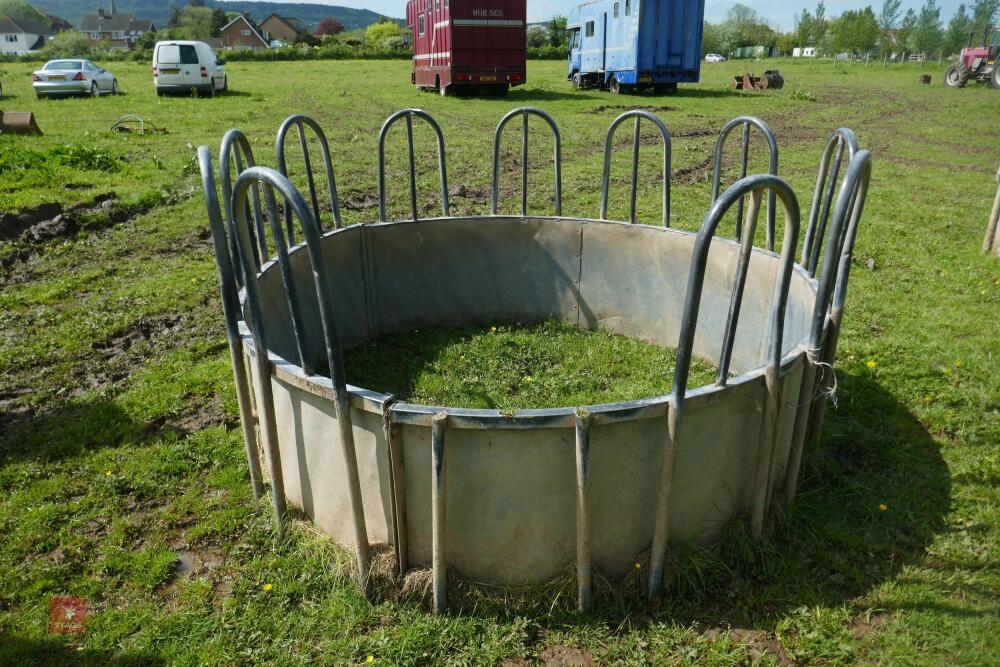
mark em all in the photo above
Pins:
pixel 514 498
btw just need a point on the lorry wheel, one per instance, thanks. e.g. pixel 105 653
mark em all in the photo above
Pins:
pixel 614 86
pixel 995 77
pixel 954 76
pixel 443 90
pixel 577 81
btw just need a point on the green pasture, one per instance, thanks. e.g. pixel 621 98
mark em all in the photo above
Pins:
pixel 122 473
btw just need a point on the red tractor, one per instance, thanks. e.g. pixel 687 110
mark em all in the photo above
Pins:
pixel 979 63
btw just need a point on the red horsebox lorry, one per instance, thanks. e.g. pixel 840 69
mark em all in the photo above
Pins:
pixel 474 44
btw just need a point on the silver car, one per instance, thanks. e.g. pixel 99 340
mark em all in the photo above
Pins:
pixel 73 76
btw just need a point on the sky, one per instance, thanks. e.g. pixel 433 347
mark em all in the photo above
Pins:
pixel 779 13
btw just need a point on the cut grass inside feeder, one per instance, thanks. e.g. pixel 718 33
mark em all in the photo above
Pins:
pixel 513 366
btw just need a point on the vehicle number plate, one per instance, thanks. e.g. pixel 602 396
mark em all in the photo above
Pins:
pixel 57 78
pixel 487 78
pixel 645 79
pixel 170 71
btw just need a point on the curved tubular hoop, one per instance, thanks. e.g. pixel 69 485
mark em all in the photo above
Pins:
pixel 824 331
pixel 524 112
pixel 638 114
pixel 772 168
pixel 300 122
pixel 409 115
pixel 699 259
pixel 270 178
pixel 819 212
pixel 236 150
pixel 843 226
pixel 231 311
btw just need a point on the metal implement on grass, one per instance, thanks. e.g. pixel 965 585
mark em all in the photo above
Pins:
pixel 509 499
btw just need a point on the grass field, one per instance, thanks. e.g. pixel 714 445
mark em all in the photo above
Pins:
pixel 123 480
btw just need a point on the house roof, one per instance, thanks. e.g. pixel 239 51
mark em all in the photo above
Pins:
pixel 115 23
pixel 24 26
pixel 250 24
pixel 291 23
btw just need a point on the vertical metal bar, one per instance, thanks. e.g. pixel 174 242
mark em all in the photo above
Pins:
pixel 269 434
pixel 246 417
pixel 802 409
pixel 765 451
pixel 439 552
pixel 661 526
pixel 743 172
pixel 524 165
pixel 313 198
pixel 583 510
pixel 635 170
pixel 231 310
pixel 739 284
pixel 397 488
pixel 413 168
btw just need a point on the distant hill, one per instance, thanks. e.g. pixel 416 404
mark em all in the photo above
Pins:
pixel 159 11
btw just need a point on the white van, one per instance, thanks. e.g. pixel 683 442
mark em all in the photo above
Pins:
pixel 181 66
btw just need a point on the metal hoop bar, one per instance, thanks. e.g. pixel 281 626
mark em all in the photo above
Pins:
pixel 696 279
pixel 583 510
pixel 439 502
pixel 525 112
pixel 236 148
pixel 736 299
pixel 409 114
pixel 772 167
pixel 232 314
pixel 311 232
pixel 819 210
pixel 638 114
pixel 827 315
pixel 301 122
pixel 397 485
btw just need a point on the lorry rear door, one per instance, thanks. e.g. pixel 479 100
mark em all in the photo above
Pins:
pixel 670 34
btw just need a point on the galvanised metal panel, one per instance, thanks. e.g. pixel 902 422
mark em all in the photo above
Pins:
pixel 459 271
pixel 312 463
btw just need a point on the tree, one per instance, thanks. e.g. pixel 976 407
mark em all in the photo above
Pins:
pixel 147 40
pixel 818 29
pixel 558 34
pixel 377 33
pixel 855 30
pixel 905 32
pixel 537 37
pixel 68 44
pixel 219 21
pixel 786 43
pixel 195 23
pixel 804 29
pixel 329 26
pixel 957 34
pixel 888 21
pixel 984 15
pixel 20 9
pixel 711 39
pixel 926 37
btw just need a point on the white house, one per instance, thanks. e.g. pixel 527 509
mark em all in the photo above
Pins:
pixel 19 36
pixel 804 52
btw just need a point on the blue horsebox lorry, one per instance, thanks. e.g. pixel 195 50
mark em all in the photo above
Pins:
pixel 627 45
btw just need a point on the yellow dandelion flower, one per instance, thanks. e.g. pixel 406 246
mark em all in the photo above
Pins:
pixel 108 473
pixel 958 363
pixel 946 371
pixel 871 363
pixel 527 378
pixel 928 398
pixel 638 566
pixel 882 507
pixel 268 587
pixel 370 659
pixel 493 328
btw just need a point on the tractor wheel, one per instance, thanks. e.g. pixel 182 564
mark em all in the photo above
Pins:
pixel 995 76
pixel 955 76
